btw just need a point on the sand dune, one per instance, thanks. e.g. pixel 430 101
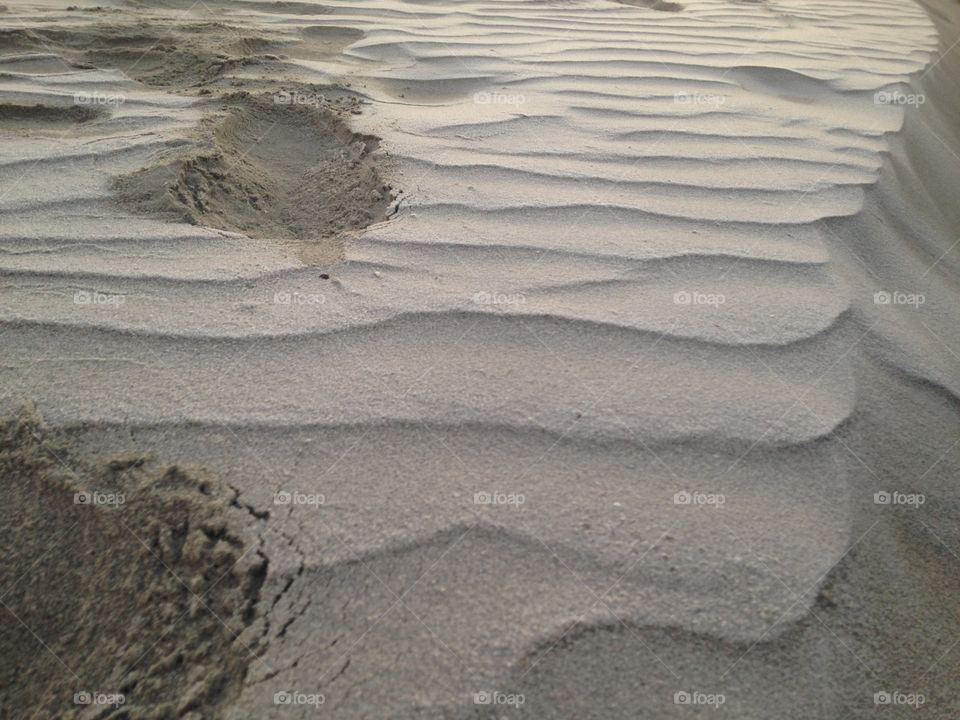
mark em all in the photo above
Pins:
pixel 586 332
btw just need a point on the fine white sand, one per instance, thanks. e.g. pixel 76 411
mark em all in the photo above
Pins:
pixel 632 252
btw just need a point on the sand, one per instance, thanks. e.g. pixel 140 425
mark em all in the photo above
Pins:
pixel 268 170
pixel 150 581
pixel 549 360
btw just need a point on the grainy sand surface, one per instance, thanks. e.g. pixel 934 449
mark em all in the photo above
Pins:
pixel 480 359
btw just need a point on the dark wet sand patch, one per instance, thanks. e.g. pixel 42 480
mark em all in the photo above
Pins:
pixel 141 583
pixel 653 5
pixel 32 118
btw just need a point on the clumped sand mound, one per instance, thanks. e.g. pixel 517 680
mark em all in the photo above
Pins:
pixel 154 598
pixel 269 167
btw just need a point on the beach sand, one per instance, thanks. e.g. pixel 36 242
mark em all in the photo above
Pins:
pixel 485 359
